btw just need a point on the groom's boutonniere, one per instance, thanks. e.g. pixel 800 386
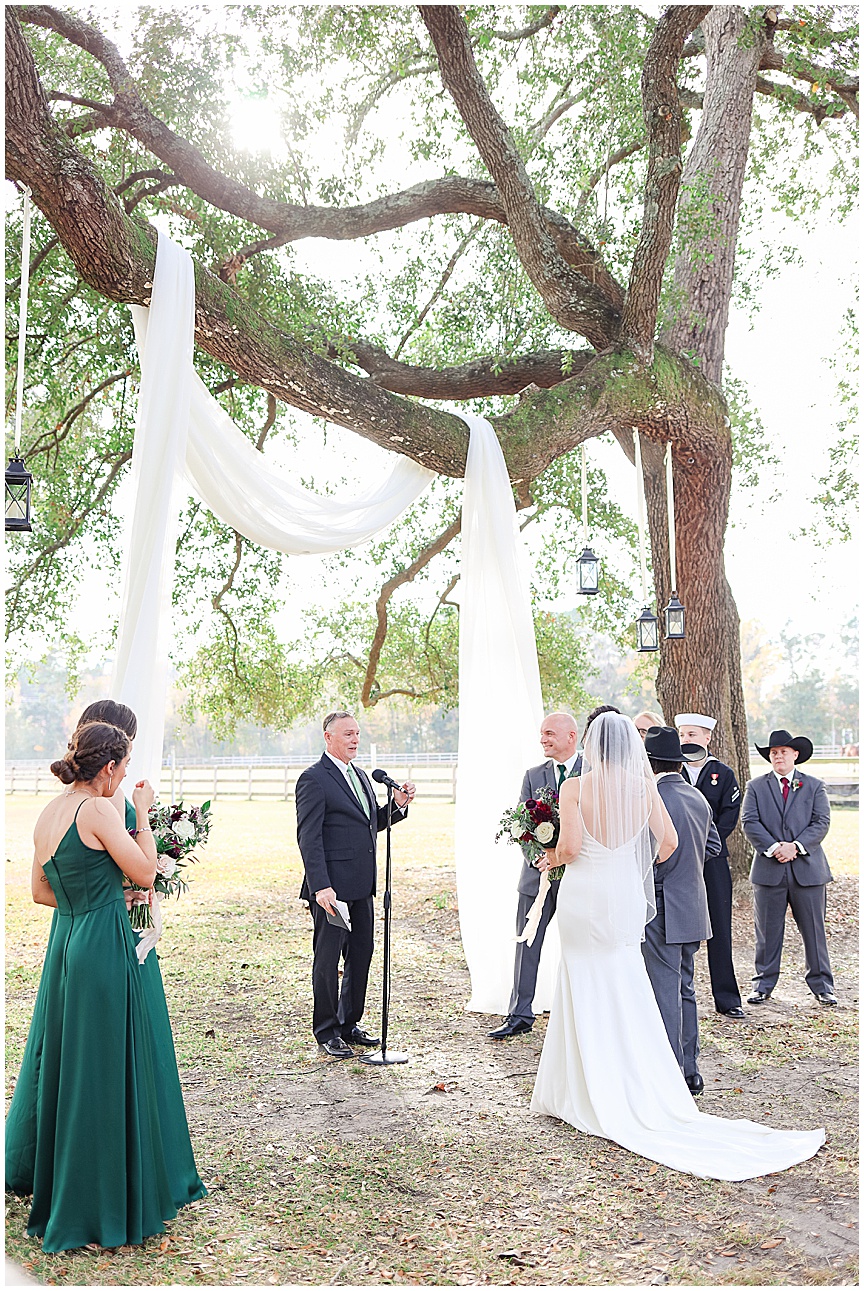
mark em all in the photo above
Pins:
pixel 796 785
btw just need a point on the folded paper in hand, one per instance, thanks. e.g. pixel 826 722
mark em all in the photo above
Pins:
pixel 341 919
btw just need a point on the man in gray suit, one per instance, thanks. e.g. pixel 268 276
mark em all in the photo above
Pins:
pixel 682 921
pixel 785 816
pixel 558 737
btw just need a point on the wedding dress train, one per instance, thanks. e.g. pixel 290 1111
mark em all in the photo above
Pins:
pixel 607 1066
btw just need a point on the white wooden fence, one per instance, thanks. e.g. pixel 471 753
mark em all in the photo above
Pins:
pixel 434 774
pixel 252 779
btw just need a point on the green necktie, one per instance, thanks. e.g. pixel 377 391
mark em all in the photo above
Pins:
pixel 358 789
pixel 562 773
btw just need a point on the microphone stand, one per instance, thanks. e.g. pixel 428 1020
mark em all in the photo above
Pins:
pixel 382 1057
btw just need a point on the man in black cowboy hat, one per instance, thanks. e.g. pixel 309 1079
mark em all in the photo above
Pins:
pixel 785 816
pixel 682 920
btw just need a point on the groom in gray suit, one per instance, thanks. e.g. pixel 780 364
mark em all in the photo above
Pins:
pixel 558 737
pixel 682 921
pixel 785 816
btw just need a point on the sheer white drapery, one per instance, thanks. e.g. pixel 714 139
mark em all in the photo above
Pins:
pixel 500 711
pixel 181 429
pixel 165 335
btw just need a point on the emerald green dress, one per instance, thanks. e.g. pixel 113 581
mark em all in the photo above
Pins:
pixel 98 1097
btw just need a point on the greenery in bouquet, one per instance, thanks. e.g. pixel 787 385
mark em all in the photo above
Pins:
pixel 534 825
pixel 177 832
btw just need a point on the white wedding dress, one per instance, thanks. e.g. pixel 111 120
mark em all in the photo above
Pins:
pixel 607 1066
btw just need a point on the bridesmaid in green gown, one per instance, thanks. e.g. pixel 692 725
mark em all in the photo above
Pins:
pixel 85 1131
pixel 183 1177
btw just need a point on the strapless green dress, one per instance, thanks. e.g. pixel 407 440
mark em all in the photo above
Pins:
pixel 97 1097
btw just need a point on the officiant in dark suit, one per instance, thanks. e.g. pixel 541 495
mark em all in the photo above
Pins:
pixel 559 736
pixel 338 820
pixel 682 921
pixel 716 782
pixel 785 816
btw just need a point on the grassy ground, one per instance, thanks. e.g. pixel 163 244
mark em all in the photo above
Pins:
pixel 323 1172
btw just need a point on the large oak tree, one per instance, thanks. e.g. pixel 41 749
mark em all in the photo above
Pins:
pixel 586 169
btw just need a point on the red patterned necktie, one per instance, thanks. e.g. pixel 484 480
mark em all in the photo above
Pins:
pixel 785 783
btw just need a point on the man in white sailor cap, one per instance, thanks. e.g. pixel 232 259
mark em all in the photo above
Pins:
pixel 717 783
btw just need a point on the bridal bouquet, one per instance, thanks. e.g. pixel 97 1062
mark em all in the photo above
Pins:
pixel 177 831
pixel 533 825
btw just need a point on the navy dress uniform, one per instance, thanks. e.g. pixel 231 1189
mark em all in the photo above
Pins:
pixel 717 783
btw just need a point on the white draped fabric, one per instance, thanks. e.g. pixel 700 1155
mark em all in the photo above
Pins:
pixel 182 430
pixel 500 711
pixel 165 349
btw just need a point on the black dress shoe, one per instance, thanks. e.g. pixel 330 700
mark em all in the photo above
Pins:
pixel 758 997
pixel 336 1048
pixel 359 1036
pixel 518 1026
pixel 694 1083
pixel 826 997
pixel 737 1013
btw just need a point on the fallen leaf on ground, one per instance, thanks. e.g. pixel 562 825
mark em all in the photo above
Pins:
pixel 769 1245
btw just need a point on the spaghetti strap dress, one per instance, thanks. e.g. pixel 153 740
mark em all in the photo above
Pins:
pixel 85 1133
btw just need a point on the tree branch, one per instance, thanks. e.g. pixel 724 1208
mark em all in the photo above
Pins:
pixel 663 122
pixel 51 441
pixel 621 154
pixel 268 424
pixel 531 30
pixel 442 283
pixel 115 254
pixel 23 577
pixel 481 377
pixel 562 105
pixel 801 103
pixel 216 602
pixel 406 575
pixel 846 88
pixel 573 302
pixel 450 195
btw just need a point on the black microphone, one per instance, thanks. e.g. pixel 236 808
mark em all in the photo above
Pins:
pixel 381 777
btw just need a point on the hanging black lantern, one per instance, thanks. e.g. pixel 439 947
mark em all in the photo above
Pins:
pixel 646 630
pixel 674 615
pixel 18 485
pixel 589 573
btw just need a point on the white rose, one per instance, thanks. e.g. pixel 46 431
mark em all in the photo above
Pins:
pixel 517 830
pixel 545 832
pixel 165 865
pixel 184 829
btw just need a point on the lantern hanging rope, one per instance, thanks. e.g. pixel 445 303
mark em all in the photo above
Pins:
pixel 588 564
pixel 674 612
pixel 584 499
pixel 640 513
pixel 670 516
pixel 18 479
pixel 22 316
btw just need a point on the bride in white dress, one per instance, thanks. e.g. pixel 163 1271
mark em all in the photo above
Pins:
pixel 607 1066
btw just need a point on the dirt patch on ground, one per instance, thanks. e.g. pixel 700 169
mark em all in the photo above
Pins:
pixel 435 1172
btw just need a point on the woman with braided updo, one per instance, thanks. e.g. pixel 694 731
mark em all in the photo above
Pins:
pixel 85 1130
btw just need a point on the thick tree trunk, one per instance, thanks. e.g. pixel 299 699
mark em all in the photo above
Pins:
pixel 703 672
